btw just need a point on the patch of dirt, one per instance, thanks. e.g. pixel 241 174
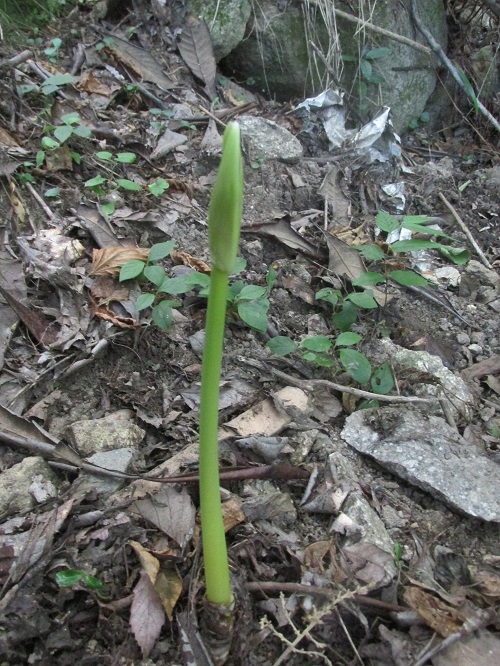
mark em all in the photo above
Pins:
pixel 95 367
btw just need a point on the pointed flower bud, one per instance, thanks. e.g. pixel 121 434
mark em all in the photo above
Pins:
pixel 226 203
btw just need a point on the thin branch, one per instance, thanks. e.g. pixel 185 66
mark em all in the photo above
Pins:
pixel 450 66
pixel 466 231
pixel 310 384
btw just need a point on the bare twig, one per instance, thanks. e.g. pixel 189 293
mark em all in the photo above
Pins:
pixel 466 231
pixel 16 60
pixel 310 384
pixel 450 66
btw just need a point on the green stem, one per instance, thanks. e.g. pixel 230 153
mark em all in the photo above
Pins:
pixel 212 525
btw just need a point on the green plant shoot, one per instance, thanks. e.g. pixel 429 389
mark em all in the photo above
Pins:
pixel 224 220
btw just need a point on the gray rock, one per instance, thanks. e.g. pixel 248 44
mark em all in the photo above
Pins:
pixel 23 485
pixel 226 21
pixel 275 54
pixel 265 140
pixel 266 502
pixel 118 460
pixel 112 432
pixel 485 276
pixel 447 385
pixel 427 452
pixel 463 338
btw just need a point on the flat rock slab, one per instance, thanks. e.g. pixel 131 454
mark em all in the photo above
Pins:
pixel 425 451
pixel 265 140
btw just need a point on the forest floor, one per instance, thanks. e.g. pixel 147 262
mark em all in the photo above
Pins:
pixel 96 570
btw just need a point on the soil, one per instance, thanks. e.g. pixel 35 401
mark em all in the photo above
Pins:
pixel 155 374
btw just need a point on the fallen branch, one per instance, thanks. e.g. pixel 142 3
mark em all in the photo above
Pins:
pixel 310 384
pixel 466 231
pixel 450 66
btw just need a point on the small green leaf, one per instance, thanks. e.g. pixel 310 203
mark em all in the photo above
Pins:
pixel 128 185
pixel 104 155
pixel 69 577
pixel 126 158
pixel 356 365
pixel 375 78
pixel 160 250
pixel 374 54
pixel 281 345
pixel 368 404
pixel 183 283
pixel 158 187
pixel 131 270
pixel 155 274
pixel 408 278
pixel 344 319
pixel 329 295
pixel 145 301
pixel 40 158
pixel 371 252
pixel 382 381
pixel 414 245
pixel 108 209
pixel 93 583
pixel 317 343
pixel 70 118
pixel 251 292
pixel 53 192
pixel 76 157
pixel 310 356
pixel 386 222
pixel 162 315
pixel 63 132
pixel 54 82
pixel 469 90
pixel 324 361
pixel 347 339
pixel 363 299
pixel 82 131
pixel 254 313
pixel 457 255
pixel 367 279
pixel 95 182
pixel 49 143
pixel 366 68
pixel 239 265
pixel 271 277
pixel 419 228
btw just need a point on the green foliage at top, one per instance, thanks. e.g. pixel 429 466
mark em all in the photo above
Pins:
pixel 19 18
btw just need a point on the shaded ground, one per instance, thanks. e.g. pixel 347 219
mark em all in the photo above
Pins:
pixel 403 551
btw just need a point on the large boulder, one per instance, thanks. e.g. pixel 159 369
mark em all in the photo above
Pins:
pixel 277 59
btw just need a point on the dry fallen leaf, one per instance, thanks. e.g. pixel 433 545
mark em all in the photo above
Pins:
pixel 169 587
pixel 109 260
pixel 181 257
pixel 147 614
pixel 438 615
pixel 149 563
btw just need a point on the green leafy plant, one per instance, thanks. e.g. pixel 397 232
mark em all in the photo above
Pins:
pixel 54 83
pixel 53 51
pixel 56 136
pixel 365 72
pixel 73 577
pixel 161 312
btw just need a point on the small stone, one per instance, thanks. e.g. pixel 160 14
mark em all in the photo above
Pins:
pixel 463 339
pixel 475 350
pixel 486 276
pixel 478 337
pixel 495 305
pixel 24 484
pixel 264 139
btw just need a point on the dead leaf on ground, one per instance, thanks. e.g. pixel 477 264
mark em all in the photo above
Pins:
pixel 149 563
pixel 439 616
pixel 169 587
pixel 109 260
pixel 283 232
pixel 232 514
pixel 171 511
pixel 147 614
pixel 368 563
pixel 344 260
pixel 490 366
pixel 186 259
pixel 195 47
pixel 481 649
pixel 138 61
